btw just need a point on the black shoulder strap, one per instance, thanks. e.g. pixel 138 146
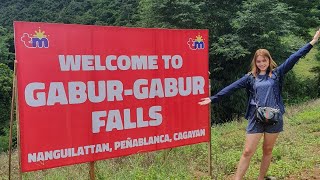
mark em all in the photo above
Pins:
pixel 251 79
pixel 279 78
pixel 250 83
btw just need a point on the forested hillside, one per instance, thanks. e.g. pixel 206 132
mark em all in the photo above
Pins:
pixel 237 28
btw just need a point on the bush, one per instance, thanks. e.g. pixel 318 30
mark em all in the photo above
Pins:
pixel 4 140
pixel 297 91
pixel 6 76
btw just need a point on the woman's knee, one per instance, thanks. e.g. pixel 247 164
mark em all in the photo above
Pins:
pixel 267 150
pixel 248 152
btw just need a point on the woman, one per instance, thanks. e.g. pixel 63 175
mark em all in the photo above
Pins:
pixel 264 90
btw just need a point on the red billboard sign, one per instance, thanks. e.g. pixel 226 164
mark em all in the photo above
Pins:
pixel 88 93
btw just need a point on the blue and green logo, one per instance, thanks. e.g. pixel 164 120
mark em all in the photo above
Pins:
pixel 38 40
pixel 197 43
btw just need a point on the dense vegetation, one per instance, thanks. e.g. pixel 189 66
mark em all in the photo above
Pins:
pixel 237 28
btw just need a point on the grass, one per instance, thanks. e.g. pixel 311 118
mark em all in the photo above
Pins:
pixel 303 67
pixel 296 151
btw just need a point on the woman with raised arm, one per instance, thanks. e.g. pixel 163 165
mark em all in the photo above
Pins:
pixel 263 83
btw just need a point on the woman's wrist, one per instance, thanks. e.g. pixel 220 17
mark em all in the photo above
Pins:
pixel 313 42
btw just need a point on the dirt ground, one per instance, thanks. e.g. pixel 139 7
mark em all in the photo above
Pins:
pixel 306 174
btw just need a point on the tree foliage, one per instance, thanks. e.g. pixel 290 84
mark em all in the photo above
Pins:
pixel 169 14
pixel 6 76
pixel 236 29
pixel 6 47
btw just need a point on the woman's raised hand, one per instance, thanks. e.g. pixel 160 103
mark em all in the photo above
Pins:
pixel 315 37
pixel 204 101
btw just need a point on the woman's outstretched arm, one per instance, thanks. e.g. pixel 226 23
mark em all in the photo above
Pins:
pixel 240 83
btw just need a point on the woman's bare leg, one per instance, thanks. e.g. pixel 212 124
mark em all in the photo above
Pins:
pixel 268 144
pixel 250 147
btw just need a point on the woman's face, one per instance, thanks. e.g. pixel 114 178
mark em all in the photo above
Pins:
pixel 262 63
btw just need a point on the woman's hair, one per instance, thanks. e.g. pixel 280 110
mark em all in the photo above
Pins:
pixel 264 53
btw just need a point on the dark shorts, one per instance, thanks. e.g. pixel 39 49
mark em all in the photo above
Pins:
pixel 256 127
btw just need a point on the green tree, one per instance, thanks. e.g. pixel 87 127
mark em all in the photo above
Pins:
pixel 237 28
pixel 307 15
pixel 6 48
pixel 317 79
pixel 6 76
pixel 170 14
pixel 114 12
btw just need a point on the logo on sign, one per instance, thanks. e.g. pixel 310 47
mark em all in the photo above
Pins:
pixel 38 40
pixel 196 43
